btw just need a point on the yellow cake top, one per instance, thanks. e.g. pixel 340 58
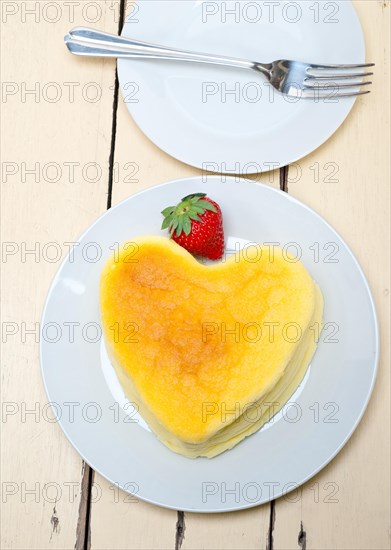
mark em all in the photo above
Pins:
pixel 198 338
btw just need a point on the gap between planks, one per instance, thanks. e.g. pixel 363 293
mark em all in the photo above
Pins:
pixel 302 536
pixel 272 519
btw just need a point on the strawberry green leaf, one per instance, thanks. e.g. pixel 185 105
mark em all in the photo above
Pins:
pixel 186 225
pixel 180 227
pixel 207 205
pixel 166 222
pixel 194 196
pixel 168 210
pixel 194 216
pixel 197 209
pixel 173 226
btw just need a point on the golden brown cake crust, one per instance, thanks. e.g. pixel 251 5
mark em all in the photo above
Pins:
pixel 191 342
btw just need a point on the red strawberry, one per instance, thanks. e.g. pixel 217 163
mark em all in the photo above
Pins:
pixel 196 223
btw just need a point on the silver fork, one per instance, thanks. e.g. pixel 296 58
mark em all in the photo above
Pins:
pixel 292 78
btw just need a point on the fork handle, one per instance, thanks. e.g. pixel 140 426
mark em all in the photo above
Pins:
pixel 89 42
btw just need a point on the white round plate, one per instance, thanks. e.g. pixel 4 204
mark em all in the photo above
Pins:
pixel 230 120
pixel 314 425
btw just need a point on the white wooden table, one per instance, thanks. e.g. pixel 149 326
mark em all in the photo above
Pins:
pixel 71 150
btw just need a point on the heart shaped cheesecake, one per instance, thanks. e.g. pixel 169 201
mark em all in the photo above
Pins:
pixel 208 353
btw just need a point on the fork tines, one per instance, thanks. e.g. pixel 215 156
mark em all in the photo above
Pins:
pixel 328 77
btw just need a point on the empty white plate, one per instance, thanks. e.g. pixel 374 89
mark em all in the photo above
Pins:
pixel 231 120
pixel 313 426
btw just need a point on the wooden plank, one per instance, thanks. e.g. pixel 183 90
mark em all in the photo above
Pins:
pixel 347 505
pixel 121 521
pixel 243 530
pixel 56 110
